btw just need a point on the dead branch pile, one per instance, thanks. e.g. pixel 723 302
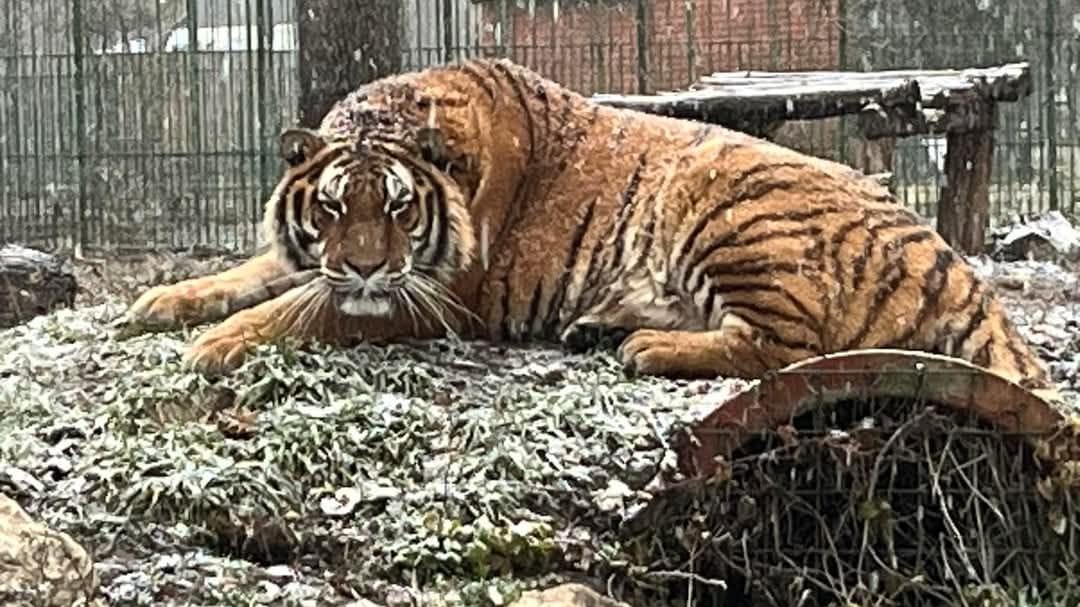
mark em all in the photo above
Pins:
pixel 872 503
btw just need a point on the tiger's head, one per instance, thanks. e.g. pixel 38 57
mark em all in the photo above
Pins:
pixel 386 227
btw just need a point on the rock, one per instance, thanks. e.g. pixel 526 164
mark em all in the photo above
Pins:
pixel 566 595
pixel 1045 237
pixel 39 566
pixel 32 283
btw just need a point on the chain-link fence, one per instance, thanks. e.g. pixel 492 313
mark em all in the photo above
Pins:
pixel 157 128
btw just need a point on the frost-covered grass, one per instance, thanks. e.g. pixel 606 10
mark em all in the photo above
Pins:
pixel 401 465
pixel 463 471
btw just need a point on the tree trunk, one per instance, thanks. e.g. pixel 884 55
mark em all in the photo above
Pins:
pixel 964 207
pixel 343 44
pixel 32 283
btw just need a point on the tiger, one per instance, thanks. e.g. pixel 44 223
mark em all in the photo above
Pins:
pixel 482 200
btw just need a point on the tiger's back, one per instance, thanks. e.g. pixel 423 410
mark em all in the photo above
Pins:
pixel 733 255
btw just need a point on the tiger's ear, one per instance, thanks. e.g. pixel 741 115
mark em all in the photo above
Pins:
pixel 432 143
pixel 297 145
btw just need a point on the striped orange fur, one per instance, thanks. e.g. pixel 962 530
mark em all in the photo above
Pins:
pixel 482 199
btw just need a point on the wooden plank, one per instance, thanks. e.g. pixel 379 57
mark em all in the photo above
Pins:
pixel 756 110
pixel 1009 82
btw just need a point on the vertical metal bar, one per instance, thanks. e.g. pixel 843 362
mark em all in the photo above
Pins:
pixel 1051 106
pixel 504 29
pixel 263 20
pixel 80 121
pixel 840 141
pixel 1074 130
pixel 691 51
pixel 773 28
pixel 554 48
pixel 194 151
pixel 641 17
pixel 447 29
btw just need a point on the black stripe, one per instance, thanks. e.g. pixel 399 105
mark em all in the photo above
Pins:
pixel 292 178
pixel 735 238
pixel 745 268
pixel 433 203
pixel 935 284
pixel 469 68
pixel 504 304
pixel 545 109
pixel 647 234
pixel 559 297
pixel 426 205
pixel 534 307
pixel 589 284
pixel 701 134
pixel 508 222
pixel 581 131
pixel 1019 359
pixel 858 264
pixel 895 274
pixel 762 310
pixel 976 319
pixel 519 92
pixel 704 220
pixel 620 132
pixel 749 289
pixel 887 286
pixel 442 236
pixel 982 356
pixel 772 335
pixel 627 207
pixel 715 212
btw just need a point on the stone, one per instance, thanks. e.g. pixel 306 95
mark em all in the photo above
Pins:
pixel 39 566
pixel 566 595
pixel 33 283
pixel 1049 237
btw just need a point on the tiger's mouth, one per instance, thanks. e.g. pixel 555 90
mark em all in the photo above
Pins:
pixel 360 293
pixel 365 302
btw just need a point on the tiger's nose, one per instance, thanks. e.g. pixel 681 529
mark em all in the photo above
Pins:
pixel 364 270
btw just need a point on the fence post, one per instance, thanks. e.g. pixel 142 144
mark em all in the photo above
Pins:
pixel 641 16
pixel 80 123
pixel 1051 110
pixel 263 24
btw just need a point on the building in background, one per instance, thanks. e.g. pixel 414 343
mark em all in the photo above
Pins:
pixel 594 45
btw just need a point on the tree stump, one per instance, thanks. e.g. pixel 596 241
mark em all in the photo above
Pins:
pixel 32 283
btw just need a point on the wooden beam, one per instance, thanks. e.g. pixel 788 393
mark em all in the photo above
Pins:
pixel 1009 82
pixel 876 122
pixel 756 110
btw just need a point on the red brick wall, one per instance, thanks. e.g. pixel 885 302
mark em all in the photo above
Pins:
pixel 592 45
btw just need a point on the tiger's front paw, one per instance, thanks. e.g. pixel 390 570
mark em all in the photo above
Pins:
pixel 650 352
pixel 221 349
pixel 183 303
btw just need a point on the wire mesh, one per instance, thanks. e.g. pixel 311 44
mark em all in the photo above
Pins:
pixel 137 124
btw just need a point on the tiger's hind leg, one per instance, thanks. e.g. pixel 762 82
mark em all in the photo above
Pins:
pixel 733 350
pixel 208 298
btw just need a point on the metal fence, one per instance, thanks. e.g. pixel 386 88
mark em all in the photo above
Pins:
pixel 130 124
